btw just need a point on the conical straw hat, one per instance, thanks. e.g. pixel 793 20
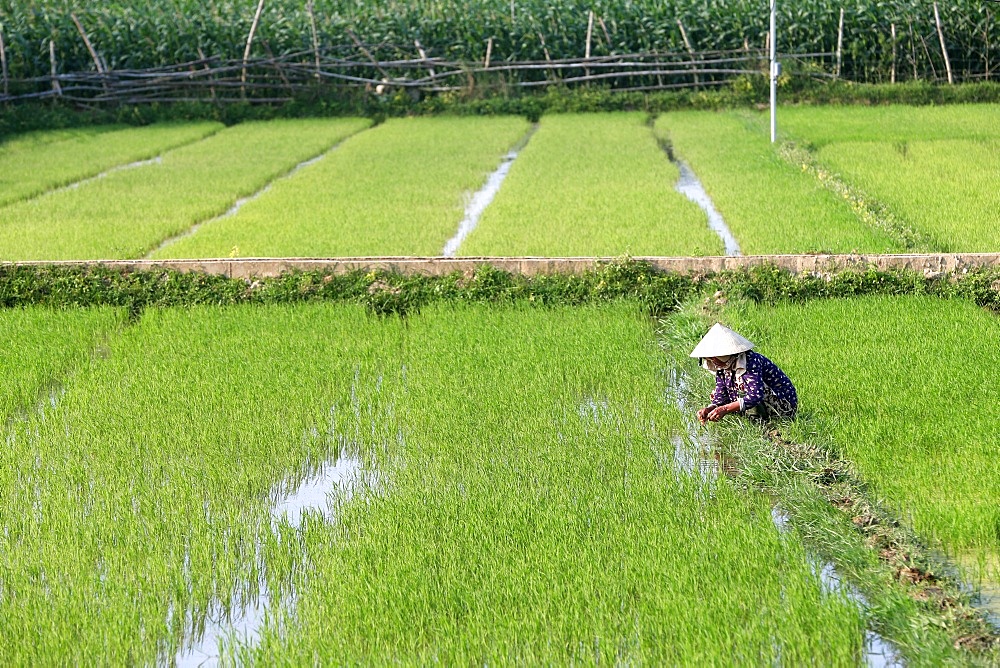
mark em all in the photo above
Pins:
pixel 720 341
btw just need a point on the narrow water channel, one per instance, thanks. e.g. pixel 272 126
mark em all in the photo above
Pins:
pixel 691 448
pixel 481 199
pixel 118 168
pixel 689 186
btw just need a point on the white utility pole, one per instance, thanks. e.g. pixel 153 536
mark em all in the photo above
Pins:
pixel 775 71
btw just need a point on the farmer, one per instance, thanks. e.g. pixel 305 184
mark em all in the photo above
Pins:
pixel 745 381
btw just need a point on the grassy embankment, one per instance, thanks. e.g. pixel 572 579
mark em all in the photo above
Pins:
pixel 129 212
pixel 592 185
pixel 934 169
pixel 531 510
pixel 769 205
pixel 905 387
pixel 399 189
pixel 40 161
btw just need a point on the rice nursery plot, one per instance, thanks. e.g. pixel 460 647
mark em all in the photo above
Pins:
pixel 768 204
pixel 948 189
pixel 399 189
pixel 592 184
pixel 530 510
pixel 41 347
pixel 144 496
pixel 818 126
pixel 35 163
pixel 130 212
pixel 906 386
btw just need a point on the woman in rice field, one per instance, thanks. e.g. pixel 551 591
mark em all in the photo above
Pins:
pixel 745 381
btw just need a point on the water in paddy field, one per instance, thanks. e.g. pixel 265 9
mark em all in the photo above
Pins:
pixel 120 168
pixel 689 186
pixel 340 477
pixel 482 198
pixel 879 653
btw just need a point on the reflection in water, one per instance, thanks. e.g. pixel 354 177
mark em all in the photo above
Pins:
pixel 243 625
pixel 689 186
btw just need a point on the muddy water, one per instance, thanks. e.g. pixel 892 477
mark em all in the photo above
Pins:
pixel 243 624
pixel 689 186
pixel 482 198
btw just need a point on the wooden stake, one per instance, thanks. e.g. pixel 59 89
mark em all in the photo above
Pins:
pixel 944 51
pixel 86 42
pixel 3 64
pixel 687 45
pixel 423 55
pixel 52 62
pixel 913 48
pixel 840 42
pixel 201 54
pixel 246 51
pixel 892 73
pixel 607 35
pixel 315 36
pixel 489 52
pixel 590 32
pixel 368 55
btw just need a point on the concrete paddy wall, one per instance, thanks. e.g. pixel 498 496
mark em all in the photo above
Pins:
pixel 929 264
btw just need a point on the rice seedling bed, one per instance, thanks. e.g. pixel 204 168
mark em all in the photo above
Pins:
pixel 143 497
pixel 530 510
pixel 770 205
pixel 41 161
pixel 130 212
pixel 905 387
pixel 399 189
pixel 592 184
pixel 523 501
pixel 948 189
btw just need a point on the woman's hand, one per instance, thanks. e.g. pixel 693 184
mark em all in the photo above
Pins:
pixel 719 412
pixel 703 413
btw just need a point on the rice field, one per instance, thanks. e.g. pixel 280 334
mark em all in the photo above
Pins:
pixel 906 387
pixel 129 213
pixel 594 184
pixel 41 161
pixel 771 206
pixel 398 189
pixel 523 500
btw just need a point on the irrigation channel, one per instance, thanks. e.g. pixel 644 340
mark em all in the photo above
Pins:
pixel 106 173
pixel 689 186
pixel 482 198
pixel 337 476
pixel 695 452
pixel 238 204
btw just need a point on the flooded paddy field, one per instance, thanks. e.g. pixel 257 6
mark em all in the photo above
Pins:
pixel 493 482
pixel 888 179
pixel 473 482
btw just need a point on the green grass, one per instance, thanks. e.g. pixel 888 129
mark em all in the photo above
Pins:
pixel 145 494
pixel 819 126
pixel 399 189
pixel 128 213
pixel 906 387
pixel 594 184
pixel 769 205
pixel 35 163
pixel 946 189
pixel 529 511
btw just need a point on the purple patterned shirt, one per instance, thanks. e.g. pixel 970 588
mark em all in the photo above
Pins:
pixel 762 379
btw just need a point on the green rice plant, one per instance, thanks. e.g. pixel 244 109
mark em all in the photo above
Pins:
pixel 527 508
pixel 142 500
pixel 947 189
pixel 594 184
pixel 396 190
pixel 818 126
pixel 130 212
pixel 768 204
pixel 905 386
pixel 35 163
pixel 42 346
